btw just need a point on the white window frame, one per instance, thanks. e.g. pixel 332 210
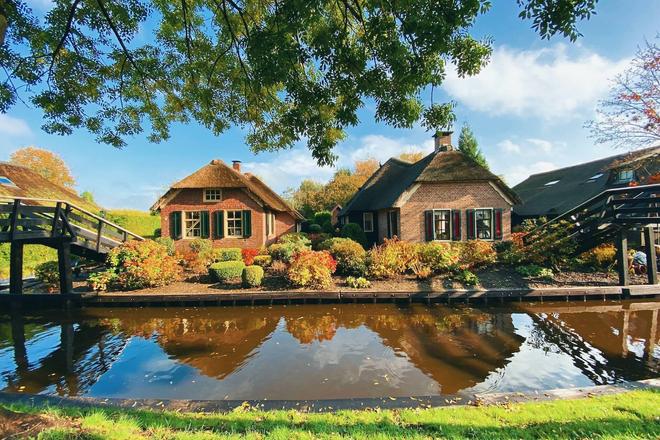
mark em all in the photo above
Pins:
pixel 234 221
pixel 492 224
pixel 364 218
pixel 185 228
pixel 270 223
pixel 217 197
pixel 451 224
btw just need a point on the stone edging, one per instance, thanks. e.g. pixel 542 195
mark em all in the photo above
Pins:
pixel 206 406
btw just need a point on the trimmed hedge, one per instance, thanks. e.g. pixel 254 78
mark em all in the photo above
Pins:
pixel 226 270
pixel 263 260
pixel 227 254
pixel 253 276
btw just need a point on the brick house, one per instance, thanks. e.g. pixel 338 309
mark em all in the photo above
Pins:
pixel 231 208
pixel 445 196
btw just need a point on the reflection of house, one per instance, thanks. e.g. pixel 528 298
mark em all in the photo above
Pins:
pixel 444 196
pixel 552 193
pixel 232 208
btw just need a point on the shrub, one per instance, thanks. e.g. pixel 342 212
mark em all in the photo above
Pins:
pixel 317 239
pixel 201 245
pixel 439 257
pixel 354 232
pixel 248 256
pixel 535 271
pixel 252 276
pixel 421 270
pixel 140 264
pixel 195 262
pixel 226 270
pixel 390 259
pixel 262 260
pixel 315 228
pixel 554 248
pixel 327 227
pixel 312 269
pixel 475 253
pixel 467 278
pixel 49 274
pixel 168 243
pixel 358 283
pixel 279 267
pixel 602 257
pixel 102 281
pixel 350 255
pixel 288 246
pixel 322 217
pixel 227 254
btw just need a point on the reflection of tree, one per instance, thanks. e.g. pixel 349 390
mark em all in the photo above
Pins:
pixel 310 329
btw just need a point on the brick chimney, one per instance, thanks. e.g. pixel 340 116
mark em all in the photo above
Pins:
pixel 236 165
pixel 443 141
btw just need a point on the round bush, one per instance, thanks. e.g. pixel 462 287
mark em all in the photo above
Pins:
pixel 226 270
pixel 350 255
pixel 354 232
pixel 312 269
pixel 252 276
pixel 49 274
pixel 322 216
pixel 315 228
pixel 263 260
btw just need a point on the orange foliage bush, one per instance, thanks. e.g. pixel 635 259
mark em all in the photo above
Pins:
pixel 312 269
pixel 248 256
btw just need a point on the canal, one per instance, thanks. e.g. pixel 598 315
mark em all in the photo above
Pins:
pixel 327 351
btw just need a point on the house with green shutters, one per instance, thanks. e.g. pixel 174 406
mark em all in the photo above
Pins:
pixel 221 203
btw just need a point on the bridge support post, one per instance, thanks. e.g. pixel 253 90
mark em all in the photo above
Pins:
pixel 622 258
pixel 651 261
pixel 16 267
pixel 64 264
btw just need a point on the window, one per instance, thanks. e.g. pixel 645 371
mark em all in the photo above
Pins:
pixel 552 182
pixel 624 176
pixel 442 224
pixel 192 224
pixel 368 221
pixel 212 195
pixel 595 176
pixel 234 223
pixel 483 220
pixel 393 224
pixel 270 223
pixel 6 181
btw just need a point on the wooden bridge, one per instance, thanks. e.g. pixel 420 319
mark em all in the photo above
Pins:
pixel 60 225
pixel 608 217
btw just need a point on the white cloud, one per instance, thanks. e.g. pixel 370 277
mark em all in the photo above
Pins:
pixel 517 173
pixel 381 148
pixel 541 144
pixel 509 146
pixel 16 127
pixel 546 83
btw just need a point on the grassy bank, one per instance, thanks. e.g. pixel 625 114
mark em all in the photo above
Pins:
pixel 629 415
pixel 139 222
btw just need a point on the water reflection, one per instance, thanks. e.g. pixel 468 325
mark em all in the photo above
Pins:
pixel 307 352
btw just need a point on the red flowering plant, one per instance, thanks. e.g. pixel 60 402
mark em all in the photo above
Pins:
pixel 312 269
pixel 248 256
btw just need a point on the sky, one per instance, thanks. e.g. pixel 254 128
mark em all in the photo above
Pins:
pixel 527 108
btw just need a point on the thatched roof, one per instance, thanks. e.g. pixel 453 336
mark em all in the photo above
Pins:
pixel 27 183
pixel 217 174
pixel 387 184
pixel 573 185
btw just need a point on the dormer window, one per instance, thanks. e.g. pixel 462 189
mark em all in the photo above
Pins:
pixel 552 182
pixel 624 176
pixel 594 177
pixel 6 181
pixel 212 195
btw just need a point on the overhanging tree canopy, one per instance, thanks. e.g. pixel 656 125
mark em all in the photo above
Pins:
pixel 285 69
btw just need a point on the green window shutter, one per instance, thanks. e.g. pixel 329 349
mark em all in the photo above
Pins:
pixel 204 223
pixel 175 225
pixel 218 224
pixel 247 223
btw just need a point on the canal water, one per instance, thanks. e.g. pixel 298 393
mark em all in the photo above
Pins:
pixel 327 351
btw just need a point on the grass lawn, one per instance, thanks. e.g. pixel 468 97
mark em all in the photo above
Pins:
pixel 627 416
pixel 142 223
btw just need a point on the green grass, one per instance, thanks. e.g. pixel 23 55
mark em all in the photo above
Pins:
pixel 632 415
pixel 139 222
pixel 33 255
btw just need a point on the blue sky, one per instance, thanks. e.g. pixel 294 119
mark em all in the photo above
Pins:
pixel 527 109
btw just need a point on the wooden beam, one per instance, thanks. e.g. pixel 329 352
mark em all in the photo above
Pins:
pixel 14 217
pixel 16 267
pixel 622 258
pixel 64 264
pixel 56 219
pixel 651 261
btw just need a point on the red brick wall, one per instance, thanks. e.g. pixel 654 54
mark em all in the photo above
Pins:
pixel 232 199
pixel 451 196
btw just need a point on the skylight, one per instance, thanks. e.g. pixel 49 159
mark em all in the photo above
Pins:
pixel 6 181
pixel 552 182
pixel 594 177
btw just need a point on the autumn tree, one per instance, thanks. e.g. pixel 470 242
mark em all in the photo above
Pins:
pixel 343 185
pixel 468 145
pixel 286 70
pixel 306 198
pixel 48 164
pixel 630 116
pixel 412 156
pixel 364 169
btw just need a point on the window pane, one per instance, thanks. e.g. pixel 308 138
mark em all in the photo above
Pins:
pixel 212 194
pixel 484 223
pixel 234 223
pixel 192 224
pixel 442 224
